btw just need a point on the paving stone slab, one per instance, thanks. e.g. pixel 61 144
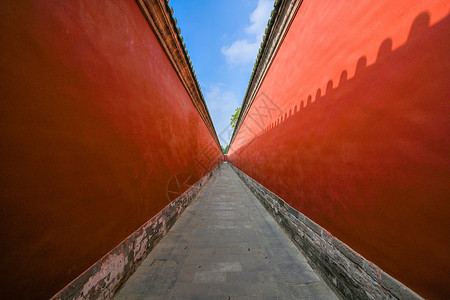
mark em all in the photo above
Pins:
pixel 225 246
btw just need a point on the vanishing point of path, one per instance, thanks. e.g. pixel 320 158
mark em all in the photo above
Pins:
pixel 225 246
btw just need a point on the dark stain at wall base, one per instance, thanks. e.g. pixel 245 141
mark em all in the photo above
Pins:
pixel 105 277
pixel 369 159
pixel 347 272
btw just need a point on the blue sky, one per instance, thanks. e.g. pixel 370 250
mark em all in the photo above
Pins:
pixel 222 38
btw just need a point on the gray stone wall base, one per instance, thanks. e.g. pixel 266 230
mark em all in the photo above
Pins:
pixel 104 278
pixel 347 272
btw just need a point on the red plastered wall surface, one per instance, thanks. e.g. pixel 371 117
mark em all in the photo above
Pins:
pixel 357 137
pixel 95 123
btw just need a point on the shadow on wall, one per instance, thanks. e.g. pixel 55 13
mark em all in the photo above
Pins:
pixel 368 160
pixel 420 25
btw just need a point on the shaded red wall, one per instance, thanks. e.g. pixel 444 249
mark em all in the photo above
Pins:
pixel 94 124
pixel 364 155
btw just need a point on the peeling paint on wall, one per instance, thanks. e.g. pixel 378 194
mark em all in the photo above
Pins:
pixel 104 278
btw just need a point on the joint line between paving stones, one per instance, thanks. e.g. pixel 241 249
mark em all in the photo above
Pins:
pixel 249 196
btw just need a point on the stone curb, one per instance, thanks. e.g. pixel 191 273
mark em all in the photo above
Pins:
pixel 103 279
pixel 347 272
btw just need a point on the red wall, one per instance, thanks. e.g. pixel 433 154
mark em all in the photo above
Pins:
pixel 94 124
pixel 364 155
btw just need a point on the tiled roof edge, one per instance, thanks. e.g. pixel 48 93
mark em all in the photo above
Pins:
pixel 159 16
pixel 280 19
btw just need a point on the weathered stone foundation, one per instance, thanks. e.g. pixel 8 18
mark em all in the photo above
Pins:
pixel 104 278
pixel 346 271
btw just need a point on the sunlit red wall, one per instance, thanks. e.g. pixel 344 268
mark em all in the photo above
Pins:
pixel 351 127
pixel 94 124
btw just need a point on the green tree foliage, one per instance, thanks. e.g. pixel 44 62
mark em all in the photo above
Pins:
pixel 234 117
pixel 225 150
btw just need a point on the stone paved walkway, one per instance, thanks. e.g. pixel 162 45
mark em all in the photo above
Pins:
pixel 225 246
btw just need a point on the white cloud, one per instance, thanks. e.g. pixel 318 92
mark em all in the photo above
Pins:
pixel 221 104
pixel 240 52
pixel 220 100
pixel 244 51
pixel 259 18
